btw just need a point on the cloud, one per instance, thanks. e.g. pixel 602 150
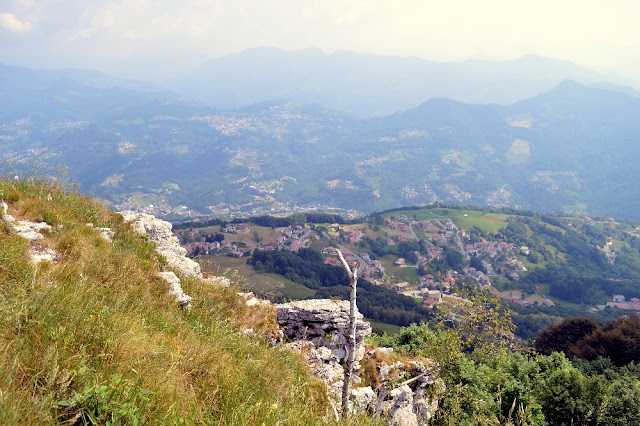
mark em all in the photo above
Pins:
pixel 9 22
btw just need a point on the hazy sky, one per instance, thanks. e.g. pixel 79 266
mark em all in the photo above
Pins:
pixel 601 34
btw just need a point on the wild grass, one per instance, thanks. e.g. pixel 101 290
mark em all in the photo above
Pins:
pixel 95 338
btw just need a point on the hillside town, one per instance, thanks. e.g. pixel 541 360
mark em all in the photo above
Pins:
pixel 434 277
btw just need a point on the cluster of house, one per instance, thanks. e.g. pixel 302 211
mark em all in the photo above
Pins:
pixel 216 248
pixel 434 252
pixel 236 228
pixel 619 301
pixel 352 235
pixel 398 226
pixel 292 238
pixel 448 281
pixel 430 297
pixel 481 278
pixel 490 248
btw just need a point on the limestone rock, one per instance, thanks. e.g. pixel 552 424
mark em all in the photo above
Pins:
pixel 106 233
pixel 323 364
pixel 414 400
pixel 39 254
pixel 31 231
pixel 250 299
pixel 363 399
pixel 183 299
pixel 5 213
pixel 323 322
pixel 167 244
pixel 408 390
pixel 317 328
pixel 384 350
pixel 400 407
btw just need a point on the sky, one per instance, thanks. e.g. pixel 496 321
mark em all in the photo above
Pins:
pixel 132 35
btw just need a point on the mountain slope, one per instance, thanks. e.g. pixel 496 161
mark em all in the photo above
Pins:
pixel 94 336
pixel 574 148
pixel 366 84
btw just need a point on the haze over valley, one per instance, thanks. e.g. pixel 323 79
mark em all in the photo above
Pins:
pixel 573 147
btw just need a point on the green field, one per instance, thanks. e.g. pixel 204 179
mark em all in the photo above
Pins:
pixel 397 273
pixel 223 265
pixel 264 234
pixel 380 327
pixel 465 219
pixel 532 266
pixel 259 283
pixel 291 290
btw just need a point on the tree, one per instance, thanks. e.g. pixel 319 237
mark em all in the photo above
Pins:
pixel 561 337
pixel 350 347
pixel 454 259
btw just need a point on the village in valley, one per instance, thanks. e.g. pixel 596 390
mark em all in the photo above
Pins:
pixel 423 258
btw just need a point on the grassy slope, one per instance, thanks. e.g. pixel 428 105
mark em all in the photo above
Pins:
pixel 260 283
pixel 488 222
pixel 96 337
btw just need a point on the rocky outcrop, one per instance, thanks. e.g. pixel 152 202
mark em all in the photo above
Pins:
pixel 183 299
pixel 32 231
pixel 106 233
pixel 252 300
pixel 167 244
pixel 323 322
pixel 406 392
pixel 317 328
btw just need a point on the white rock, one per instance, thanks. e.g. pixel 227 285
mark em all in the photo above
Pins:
pixel 167 244
pixel 31 231
pixel 39 254
pixel 5 214
pixel 363 399
pixel 107 233
pixel 176 289
pixel 252 302
pixel 400 411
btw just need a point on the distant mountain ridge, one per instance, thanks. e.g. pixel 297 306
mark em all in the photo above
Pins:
pixel 573 148
pixel 371 85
